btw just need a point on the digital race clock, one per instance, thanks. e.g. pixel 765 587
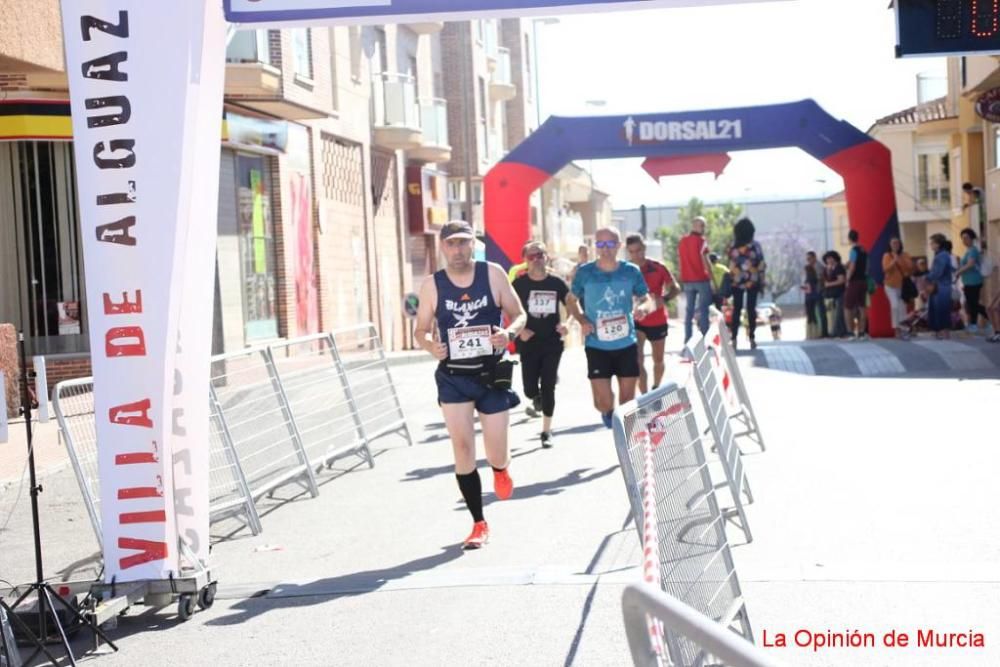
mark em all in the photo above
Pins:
pixel 947 27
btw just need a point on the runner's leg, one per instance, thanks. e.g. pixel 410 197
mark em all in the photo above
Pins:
pixel 604 397
pixel 550 373
pixel 458 417
pixel 531 365
pixel 641 347
pixel 626 387
pixel 495 438
pixel 659 347
pixel 497 450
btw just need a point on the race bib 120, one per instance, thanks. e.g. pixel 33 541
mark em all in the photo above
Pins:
pixel 612 328
pixel 469 342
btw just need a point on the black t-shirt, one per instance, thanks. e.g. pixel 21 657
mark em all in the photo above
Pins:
pixel 838 291
pixel 541 299
pixel 860 265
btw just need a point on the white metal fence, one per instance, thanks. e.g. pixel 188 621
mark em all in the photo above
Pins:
pixel 278 414
pixel 695 563
pixel 705 364
pixel 642 600
pixel 743 413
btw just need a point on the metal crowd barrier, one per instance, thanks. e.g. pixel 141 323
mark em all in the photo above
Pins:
pixel 721 340
pixel 641 600
pixel 712 393
pixel 695 562
pixel 277 415
pixel 258 421
pixel 320 398
pixel 367 378
pixel 73 404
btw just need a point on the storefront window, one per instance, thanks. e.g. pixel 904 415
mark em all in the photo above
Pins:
pixel 256 234
pixel 42 286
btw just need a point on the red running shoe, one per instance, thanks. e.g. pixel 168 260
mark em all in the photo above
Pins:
pixel 503 485
pixel 479 536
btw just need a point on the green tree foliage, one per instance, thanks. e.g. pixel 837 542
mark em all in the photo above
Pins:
pixel 718 228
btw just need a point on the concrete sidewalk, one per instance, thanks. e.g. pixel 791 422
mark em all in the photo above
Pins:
pixel 874 511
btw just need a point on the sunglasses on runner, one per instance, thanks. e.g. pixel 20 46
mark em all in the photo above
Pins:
pixel 606 244
pixel 534 256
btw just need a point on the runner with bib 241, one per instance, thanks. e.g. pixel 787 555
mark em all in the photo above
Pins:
pixel 614 294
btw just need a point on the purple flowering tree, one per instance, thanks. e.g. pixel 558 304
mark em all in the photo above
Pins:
pixel 785 254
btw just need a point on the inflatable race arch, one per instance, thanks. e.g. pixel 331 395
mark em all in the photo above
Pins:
pixel 861 161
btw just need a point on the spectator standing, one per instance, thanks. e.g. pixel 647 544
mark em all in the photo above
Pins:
pixel 938 287
pixel 856 292
pixel 746 264
pixel 813 289
pixel 834 281
pixel 970 271
pixel 696 276
pixel 897 267
pixel 976 198
pixel 720 283
pixel 582 257
pixel 920 281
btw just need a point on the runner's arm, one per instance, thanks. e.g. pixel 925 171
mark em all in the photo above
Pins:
pixel 671 286
pixel 509 303
pixel 644 305
pixel 425 321
pixel 573 307
pixel 643 301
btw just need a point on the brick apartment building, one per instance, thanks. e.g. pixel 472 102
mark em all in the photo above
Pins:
pixel 344 149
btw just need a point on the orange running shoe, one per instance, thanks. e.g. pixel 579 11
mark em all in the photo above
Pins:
pixel 479 536
pixel 503 485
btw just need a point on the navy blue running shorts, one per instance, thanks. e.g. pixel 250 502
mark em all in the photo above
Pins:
pixel 467 389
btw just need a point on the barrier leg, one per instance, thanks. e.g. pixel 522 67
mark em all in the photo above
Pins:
pixel 249 507
pixel 359 425
pixel 293 430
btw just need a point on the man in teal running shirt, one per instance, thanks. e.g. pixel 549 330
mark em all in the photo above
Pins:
pixel 608 289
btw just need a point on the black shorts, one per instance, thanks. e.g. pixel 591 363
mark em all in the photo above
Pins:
pixel 653 333
pixel 603 364
pixel 856 294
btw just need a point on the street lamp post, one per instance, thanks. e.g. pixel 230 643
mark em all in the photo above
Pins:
pixel 826 226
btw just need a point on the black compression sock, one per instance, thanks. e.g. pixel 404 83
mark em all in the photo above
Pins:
pixel 472 491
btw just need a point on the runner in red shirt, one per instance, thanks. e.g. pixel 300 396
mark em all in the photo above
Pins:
pixel 654 326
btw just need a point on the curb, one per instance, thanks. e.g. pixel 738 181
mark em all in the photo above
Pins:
pixel 407 357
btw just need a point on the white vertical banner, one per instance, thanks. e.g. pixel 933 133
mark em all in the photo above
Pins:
pixel 129 67
pixel 203 139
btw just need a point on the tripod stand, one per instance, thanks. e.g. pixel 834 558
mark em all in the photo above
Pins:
pixel 46 598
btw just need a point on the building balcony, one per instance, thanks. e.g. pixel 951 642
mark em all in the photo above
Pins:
pixel 426 27
pixel 256 83
pixel 434 146
pixel 502 87
pixel 248 66
pixel 490 43
pixel 395 113
pixel 252 79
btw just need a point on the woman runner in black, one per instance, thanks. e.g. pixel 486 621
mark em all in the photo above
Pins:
pixel 540 343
